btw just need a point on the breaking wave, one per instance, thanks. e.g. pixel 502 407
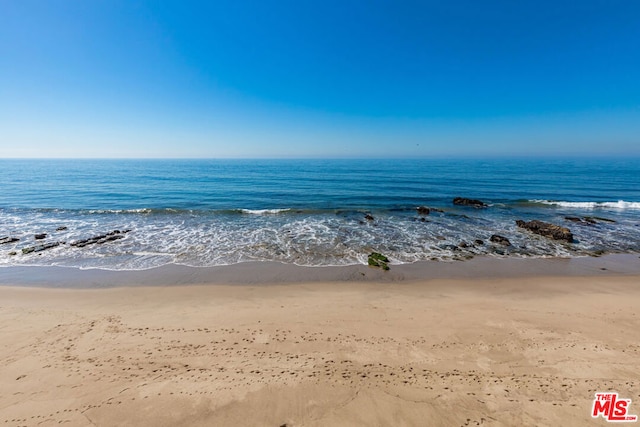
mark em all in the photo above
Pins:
pixel 620 204
pixel 263 211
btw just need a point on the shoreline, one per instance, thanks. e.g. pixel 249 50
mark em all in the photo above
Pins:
pixel 267 273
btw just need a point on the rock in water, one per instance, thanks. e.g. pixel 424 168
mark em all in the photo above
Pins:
pixel 573 218
pixel 369 217
pixel 594 219
pixel 100 239
pixel 40 236
pixel 582 221
pixel 378 260
pixel 463 201
pixel 5 240
pixel 40 248
pixel 500 239
pixel 423 210
pixel 547 230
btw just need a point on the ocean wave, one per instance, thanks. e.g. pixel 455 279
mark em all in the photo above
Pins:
pixel 125 211
pixel 318 240
pixel 620 204
pixel 159 211
pixel 264 211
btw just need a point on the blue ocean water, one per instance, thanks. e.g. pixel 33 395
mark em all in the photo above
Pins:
pixel 309 212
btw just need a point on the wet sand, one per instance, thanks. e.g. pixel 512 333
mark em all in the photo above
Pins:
pixel 251 273
pixel 528 349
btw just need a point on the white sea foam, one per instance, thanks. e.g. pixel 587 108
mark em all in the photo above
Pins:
pixel 264 211
pixel 620 204
pixel 119 211
pixel 313 240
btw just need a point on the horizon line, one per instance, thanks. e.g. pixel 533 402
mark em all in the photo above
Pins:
pixel 433 157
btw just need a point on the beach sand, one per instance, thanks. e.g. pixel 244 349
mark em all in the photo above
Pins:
pixel 463 351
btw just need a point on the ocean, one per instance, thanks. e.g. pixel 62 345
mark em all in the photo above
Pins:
pixel 139 214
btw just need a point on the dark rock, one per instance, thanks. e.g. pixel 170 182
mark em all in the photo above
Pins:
pixel 500 240
pixel 378 260
pixel 423 210
pixel 463 245
pixel 378 256
pixel 583 221
pixel 12 253
pixel 478 242
pixel 547 230
pixel 369 217
pixel 40 236
pixel 100 239
pixel 110 239
pixel 573 218
pixel 463 201
pixel 441 238
pixel 40 248
pixel 423 220
pixel 5 240
pixel 597 218
pixel 62 228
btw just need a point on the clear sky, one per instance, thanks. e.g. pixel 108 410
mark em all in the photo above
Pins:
pixel 294 78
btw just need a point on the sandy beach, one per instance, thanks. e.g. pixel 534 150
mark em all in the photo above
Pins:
pixel 458 351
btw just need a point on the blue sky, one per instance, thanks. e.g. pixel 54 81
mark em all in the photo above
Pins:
pixel 319 79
